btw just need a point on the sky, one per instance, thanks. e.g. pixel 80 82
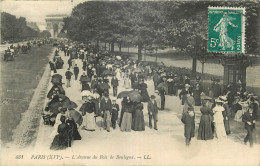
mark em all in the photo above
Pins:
pixel 36 11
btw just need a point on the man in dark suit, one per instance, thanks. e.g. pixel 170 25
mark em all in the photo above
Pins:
pixel 249 119
pixel 114 84
pixel 106 108
pixel 153 112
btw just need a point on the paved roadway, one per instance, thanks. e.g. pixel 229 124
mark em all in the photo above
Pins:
pixel 165 146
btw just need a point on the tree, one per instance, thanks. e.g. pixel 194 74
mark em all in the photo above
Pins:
pixel 15 29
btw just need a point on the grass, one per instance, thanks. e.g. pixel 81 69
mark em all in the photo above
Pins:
pixel 19 78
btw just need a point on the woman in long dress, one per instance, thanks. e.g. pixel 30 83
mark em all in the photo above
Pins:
pixel 58 122
pixel 60 141
pixel 219 120
pixel 74 127
pixel 126 124
pixel 138 122
pixel 144 92
pixel 123 104
pixel 127 84
pixel 88 109
pixel 205 129
pixel 118 73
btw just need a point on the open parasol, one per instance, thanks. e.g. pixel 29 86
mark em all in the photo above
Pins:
pixel 135 96
pixel 76 116
pixel 124 94
pixel 69 105
pixel 54 107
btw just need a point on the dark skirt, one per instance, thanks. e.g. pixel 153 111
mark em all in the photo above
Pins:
pixel 59 142
pixel 205 128
pixel 197 99
pixel 145 95
pixel 138 124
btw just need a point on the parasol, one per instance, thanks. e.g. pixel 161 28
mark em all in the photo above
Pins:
pixel 76 116
pixel 103 86
pixel 135 96
pixel 69 105
pixel 124 94
pixel 54 107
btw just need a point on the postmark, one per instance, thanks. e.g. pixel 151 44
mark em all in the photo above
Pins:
pixel 226 29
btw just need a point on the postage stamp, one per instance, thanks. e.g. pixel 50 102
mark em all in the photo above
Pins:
pixel 226 29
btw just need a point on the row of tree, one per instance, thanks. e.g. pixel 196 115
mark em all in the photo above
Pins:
pixel 15 29
pixel 182 25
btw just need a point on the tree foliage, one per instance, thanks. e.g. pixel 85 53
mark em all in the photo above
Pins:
pixel 15 29
pixel 182 25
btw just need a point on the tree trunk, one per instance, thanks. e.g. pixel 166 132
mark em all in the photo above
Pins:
pixel 202 70
pixel 140 46
pixel 112 47
pixel 105 46
pixel 128 48
pixel 120 46
pixel 194 67
pixel 98 45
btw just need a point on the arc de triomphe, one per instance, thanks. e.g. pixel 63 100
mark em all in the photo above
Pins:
pixel 54 24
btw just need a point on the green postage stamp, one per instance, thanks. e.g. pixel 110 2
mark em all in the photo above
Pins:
pixel 226 29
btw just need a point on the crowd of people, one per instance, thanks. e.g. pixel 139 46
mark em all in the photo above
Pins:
pixel 103 70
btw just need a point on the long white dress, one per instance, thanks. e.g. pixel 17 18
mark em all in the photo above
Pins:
pixel 89 121
pixel 118 73
pixel 219 122
pixel 127 83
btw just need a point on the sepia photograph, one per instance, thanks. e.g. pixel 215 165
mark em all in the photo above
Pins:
pixel 150 83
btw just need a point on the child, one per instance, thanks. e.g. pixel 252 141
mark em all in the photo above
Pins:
pixel 115 109
pixel 188 118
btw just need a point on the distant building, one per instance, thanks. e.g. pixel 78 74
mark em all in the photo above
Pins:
pixel 55 24
pixel 33 25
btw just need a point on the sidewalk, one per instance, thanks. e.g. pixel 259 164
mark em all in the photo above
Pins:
pixel 165 146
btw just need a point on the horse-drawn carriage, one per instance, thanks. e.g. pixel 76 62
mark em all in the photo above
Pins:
pixel 8 56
